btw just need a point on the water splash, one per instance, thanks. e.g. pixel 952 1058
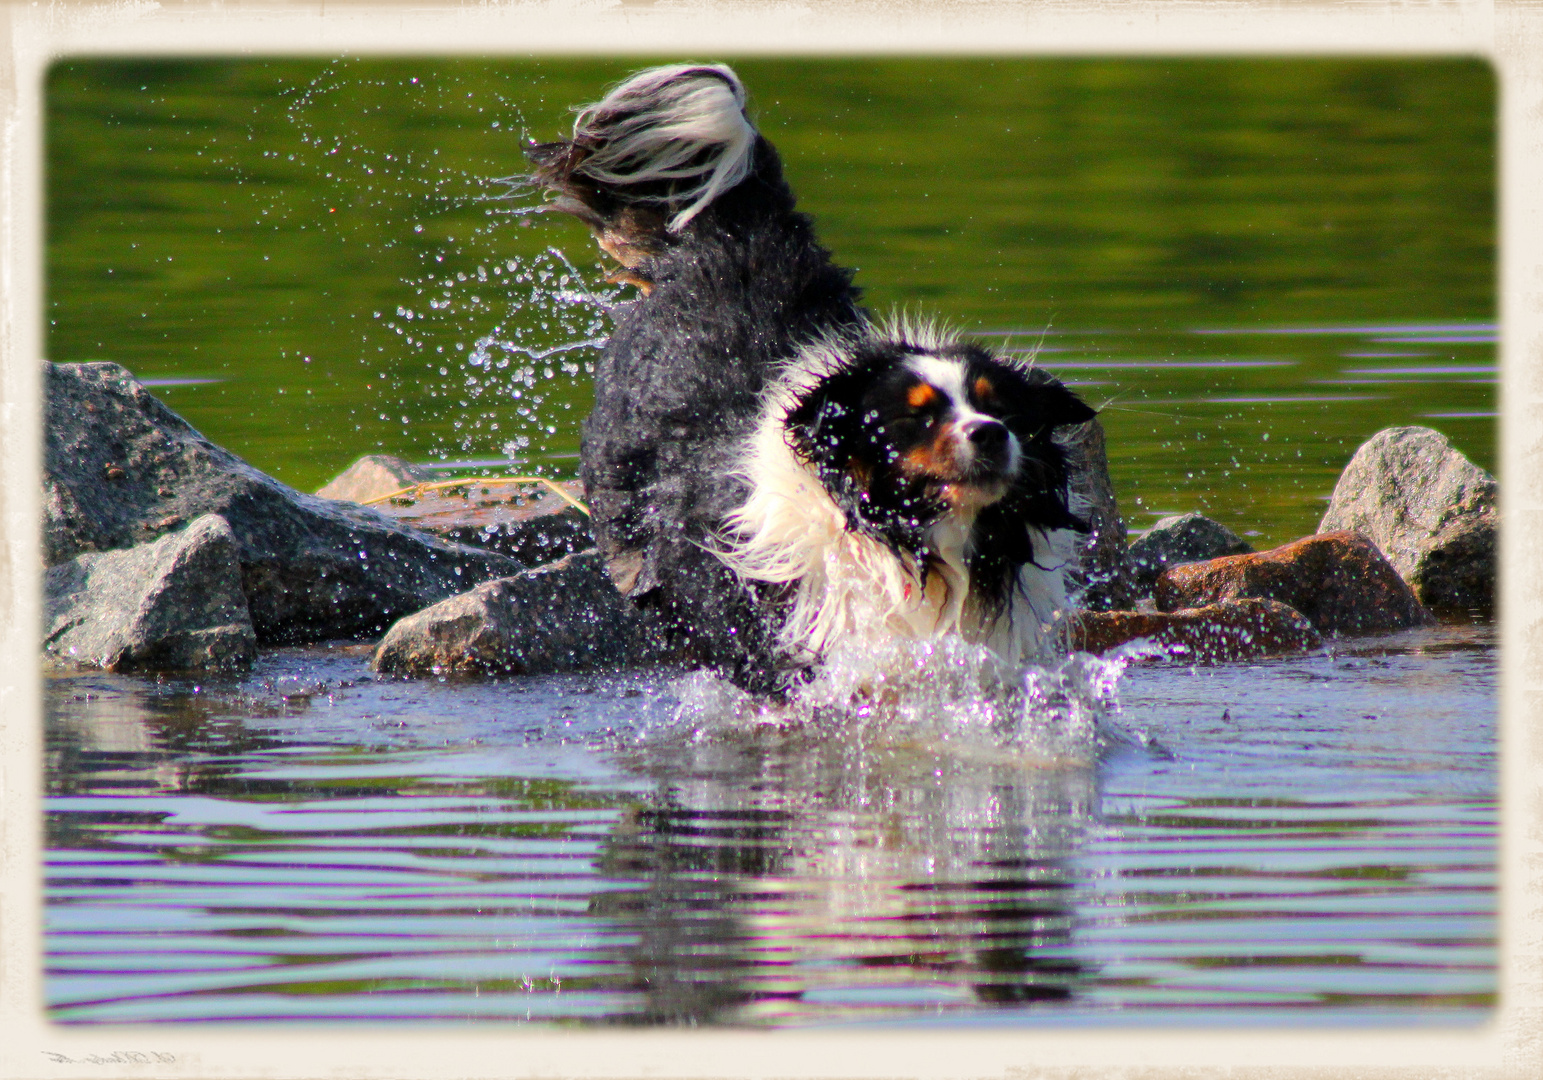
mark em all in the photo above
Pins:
pixel 482 354
pixel 945 695
pixel 512 391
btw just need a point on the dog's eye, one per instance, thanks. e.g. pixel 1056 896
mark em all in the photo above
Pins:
pixel 984 391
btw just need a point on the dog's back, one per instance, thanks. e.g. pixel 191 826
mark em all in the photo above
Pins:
pixel 690 199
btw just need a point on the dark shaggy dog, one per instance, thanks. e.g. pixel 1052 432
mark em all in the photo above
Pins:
pixel 769 471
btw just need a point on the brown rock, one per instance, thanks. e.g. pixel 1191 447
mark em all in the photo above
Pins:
pixel 527 522
pixel 1217 633
pixel 1340 581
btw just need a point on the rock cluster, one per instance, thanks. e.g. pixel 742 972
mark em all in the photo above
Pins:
pixel 121 471
pixel 166 552
pixel 1411 527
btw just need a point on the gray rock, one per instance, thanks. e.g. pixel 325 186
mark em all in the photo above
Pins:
pixel 172 605
pixel 1105 578
pixel 559 617
pixel 1433 513
pixel 1182 538
pixel 121 468
pixel 374 476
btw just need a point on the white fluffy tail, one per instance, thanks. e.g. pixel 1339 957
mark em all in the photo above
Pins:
pixel 684 122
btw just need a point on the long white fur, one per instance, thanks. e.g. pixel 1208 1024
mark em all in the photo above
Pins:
pixel 656 123
pixel 847 586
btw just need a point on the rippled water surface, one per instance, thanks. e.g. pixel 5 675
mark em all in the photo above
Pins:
pixel 1249 265
pixel 1310 837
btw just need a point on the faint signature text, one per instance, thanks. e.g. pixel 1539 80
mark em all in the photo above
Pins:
pixel 117 1057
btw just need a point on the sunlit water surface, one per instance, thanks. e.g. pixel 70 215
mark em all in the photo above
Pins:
pixel 1309 839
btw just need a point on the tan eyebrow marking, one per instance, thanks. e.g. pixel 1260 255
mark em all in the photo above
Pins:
pixel 920 396
pixel 983 388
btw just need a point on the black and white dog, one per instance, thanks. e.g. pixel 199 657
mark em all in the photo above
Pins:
pixel 769 470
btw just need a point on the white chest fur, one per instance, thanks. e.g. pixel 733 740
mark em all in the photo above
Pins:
pixel 845 586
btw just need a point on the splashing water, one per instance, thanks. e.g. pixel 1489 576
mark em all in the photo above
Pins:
pixel 945 695
pixel 544 338
pixel 492 339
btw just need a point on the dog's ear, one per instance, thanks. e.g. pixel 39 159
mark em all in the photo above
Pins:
pixel 835 430
pixel 826 426
pixel 1064 407
pixel 1040 403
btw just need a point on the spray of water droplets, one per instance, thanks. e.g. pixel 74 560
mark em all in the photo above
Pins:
pixel 509 388
pixel 483 354
pixel 946 693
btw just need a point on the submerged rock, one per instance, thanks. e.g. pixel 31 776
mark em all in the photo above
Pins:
pixel 374 476
pixel 174 605
pixel 559 617
pixel 1105 577
pixel 122 469
pixel 1339 581
pixel 1182 538
pixel 1431 511
pixel 1224 631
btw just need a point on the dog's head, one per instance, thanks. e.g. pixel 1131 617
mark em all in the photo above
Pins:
pixel 903 433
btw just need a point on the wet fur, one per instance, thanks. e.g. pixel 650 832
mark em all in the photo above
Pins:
pixel 730 293
pixel 735 292
pixel 865 544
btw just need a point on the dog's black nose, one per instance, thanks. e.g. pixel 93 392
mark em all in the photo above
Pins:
pixel 989 437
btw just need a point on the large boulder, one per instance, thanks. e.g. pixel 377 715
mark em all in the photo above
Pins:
pixel 1104 579
pixel 1431 511
pixel 172 605
pixel 1340 581
pixel 560 617
pixel 1228 630
pixel 122 469
pixel 1182 538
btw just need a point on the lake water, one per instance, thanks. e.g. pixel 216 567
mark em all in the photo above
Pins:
pixel 1307 838
pixel 1250 266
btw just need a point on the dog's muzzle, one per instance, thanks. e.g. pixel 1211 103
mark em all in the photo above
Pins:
pixel 991 452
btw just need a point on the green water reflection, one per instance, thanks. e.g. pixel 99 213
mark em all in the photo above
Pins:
pixel 320 239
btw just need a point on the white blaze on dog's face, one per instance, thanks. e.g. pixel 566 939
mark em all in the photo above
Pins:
pixel 950 435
